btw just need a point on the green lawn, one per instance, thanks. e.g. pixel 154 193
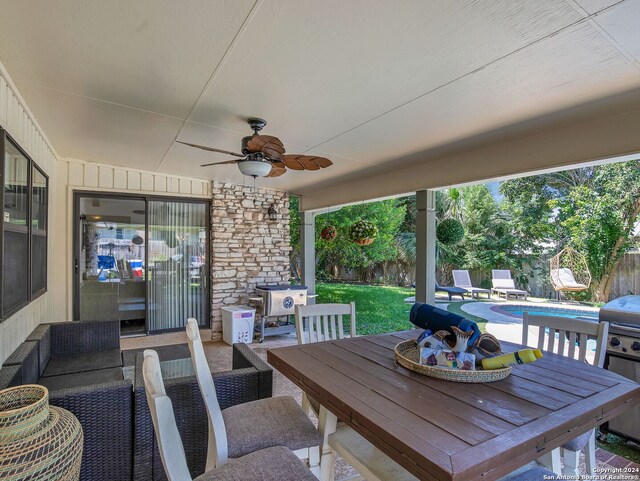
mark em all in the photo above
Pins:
pixel 380 309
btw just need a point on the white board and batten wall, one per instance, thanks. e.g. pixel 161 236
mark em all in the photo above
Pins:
pixel 76 175
pixel 66 176
pixel 21 125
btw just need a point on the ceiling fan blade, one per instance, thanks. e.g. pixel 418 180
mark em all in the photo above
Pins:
pixel 270 146
pixel 276 172
pixel 232 161
pixel 306 162
pixel 210 149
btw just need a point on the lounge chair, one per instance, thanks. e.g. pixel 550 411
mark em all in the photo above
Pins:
pixel 462 279
pixel 503 284
pixel 452 291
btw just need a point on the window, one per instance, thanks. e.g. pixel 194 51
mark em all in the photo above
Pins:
pixel 24 229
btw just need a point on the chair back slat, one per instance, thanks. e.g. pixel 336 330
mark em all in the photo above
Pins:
pixel 325 331
pixel 583 347
pixel 540 338
pixel 164 421
pixel 562 336
pixel 571 333
pixel 217 448
pixel 572 345
pixel 323 322
pixel 551 340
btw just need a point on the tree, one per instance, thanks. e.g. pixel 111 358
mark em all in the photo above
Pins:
pixel 295 261
pixel 487 243
pixel 387 215
pixel 592 209
pixel 599 217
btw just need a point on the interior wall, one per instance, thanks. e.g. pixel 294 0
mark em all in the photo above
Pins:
pixel 19 122
pixel 76 175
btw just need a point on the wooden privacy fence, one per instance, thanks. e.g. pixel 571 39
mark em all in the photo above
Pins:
pixel 626 277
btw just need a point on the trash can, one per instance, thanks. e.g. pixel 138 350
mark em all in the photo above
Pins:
pixel 238 324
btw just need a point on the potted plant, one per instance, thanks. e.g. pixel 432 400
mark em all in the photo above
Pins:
pixel 363 232
pixel 450 231
pixel 329 233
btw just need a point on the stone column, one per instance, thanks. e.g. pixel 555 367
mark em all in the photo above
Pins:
pixel 426 246
pixel 308 245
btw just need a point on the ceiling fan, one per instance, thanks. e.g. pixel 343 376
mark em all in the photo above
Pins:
pixel 263 155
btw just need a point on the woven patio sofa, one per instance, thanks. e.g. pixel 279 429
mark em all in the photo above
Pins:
pixel 250 379
pixel 81 365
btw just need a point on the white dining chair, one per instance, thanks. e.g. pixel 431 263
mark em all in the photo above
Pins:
pixel 241 429
pixel 569 337
pixel 322 322
pixel 271 464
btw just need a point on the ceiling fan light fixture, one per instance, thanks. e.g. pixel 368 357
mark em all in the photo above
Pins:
pixel 254 168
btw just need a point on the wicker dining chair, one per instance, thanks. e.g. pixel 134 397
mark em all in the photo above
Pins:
pixel 244 428
pixel 562 335
pixel 271 464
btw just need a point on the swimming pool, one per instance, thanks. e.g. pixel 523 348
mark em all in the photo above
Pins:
pixel 518 310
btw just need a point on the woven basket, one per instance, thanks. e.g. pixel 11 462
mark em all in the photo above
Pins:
pixel 408 355
pixel 37 442
pixel 364 242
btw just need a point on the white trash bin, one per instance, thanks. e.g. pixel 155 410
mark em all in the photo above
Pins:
pixel 238 324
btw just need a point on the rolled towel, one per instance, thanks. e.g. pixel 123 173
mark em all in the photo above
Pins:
pixel 427 316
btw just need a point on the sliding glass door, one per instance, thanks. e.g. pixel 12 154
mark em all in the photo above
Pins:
pixel 178 263
pixel 142 260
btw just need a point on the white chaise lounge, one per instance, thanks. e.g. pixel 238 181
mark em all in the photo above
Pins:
pixel 503 285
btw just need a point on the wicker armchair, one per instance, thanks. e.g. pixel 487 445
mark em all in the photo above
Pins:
pixel 80 364
pixel 250 379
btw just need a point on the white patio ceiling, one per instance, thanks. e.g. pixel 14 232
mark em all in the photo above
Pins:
pixel 372 84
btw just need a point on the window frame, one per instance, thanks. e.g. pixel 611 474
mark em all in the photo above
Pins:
pixel 31 296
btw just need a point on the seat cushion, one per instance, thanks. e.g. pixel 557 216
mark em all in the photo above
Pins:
pixel 85 361
pixel 276 421
pixel 579 442
pixel 165 353
pixel 533 474
pixel 271 464
pixel 80 379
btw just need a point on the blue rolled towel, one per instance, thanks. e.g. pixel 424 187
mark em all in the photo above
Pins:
pixel 430 317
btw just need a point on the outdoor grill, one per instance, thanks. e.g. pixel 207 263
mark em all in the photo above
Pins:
pixel 623 356
pixel 277 302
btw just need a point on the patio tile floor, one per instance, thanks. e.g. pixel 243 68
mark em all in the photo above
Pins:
pixel 219 356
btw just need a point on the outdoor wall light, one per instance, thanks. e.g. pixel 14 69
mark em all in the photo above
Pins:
pixel 272 213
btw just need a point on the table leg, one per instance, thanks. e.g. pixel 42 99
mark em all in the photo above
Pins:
pixel 327 423
pixel 551 461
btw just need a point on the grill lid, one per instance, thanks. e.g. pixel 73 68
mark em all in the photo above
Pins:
pixel 281 287
pixel 624 310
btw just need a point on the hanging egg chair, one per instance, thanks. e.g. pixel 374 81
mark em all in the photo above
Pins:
pixel 569 271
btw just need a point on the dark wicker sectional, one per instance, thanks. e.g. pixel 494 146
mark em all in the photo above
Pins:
pixel 81 364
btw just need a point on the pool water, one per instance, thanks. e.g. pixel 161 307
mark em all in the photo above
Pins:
pixel 519 310
pixel 572 315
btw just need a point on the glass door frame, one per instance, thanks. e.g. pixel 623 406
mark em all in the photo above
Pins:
pixel 75 266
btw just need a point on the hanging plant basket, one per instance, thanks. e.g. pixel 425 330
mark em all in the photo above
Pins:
pixel 450 231
pixel 329 233
pixel 363 232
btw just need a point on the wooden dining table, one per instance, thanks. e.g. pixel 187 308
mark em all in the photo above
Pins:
pixel 443 430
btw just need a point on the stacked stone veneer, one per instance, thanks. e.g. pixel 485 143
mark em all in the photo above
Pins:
pixel 247 248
